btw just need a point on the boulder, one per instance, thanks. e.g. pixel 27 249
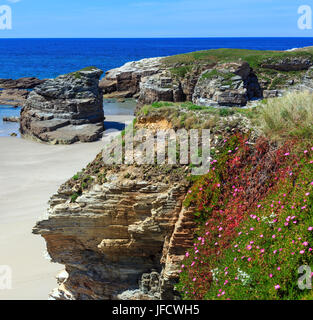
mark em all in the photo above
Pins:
pixel 66 109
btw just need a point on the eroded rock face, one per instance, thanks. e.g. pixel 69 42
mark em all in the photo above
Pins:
pixel 160 87
pixel 288 64
pixel 127 78
pixel 307 82
pixel 120 235
pixel 232 84
pixel 66 109
pixel 151 80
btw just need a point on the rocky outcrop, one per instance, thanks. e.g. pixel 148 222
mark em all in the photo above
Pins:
pixel 124 81
pixel 218 78
pixel 65 110
pixel 231 84
pixel 22 83
pixel 288 64
pixel 160 87
pixel 149 80
pixel 13 97
pixel 15 92
pixel 307 83
pixel 118 240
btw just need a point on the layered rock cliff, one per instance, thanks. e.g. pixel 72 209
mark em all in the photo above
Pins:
pixel 66 109
pixel 117 232
pixel 122 231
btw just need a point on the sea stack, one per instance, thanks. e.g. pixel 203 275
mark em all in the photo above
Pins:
pixel 66 109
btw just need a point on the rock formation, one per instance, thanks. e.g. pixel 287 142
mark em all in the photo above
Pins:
pixel 65 110
pixel 14 97
pixel 22 83
pixel 124 81
pixel 288 64
pixel 230 84
pixel 119 232
pixel 15 92
pixel 211 81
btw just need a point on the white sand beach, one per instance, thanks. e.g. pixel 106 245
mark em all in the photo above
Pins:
pixel 30 173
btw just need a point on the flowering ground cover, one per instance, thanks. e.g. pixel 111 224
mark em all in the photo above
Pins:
pixel 255 212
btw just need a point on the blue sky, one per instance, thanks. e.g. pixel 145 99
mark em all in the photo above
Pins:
pixel 149 18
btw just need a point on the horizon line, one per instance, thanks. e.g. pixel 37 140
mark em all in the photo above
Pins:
pixel 212 37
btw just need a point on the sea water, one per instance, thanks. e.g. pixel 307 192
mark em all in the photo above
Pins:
pixel 48 58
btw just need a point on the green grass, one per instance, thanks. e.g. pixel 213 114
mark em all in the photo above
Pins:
pixel 279 118
pixel 254 57
pixel 77 74
pixel 215 73
pixel 161 104
pixel 288 116
pixel 181 72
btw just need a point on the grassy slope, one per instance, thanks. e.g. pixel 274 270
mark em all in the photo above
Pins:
pixel 254 57
pixel 256 211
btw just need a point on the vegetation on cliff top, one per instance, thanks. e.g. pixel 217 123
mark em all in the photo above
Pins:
pixel 182 65
pixel 255 58
pixel 288 116
pixel 190 116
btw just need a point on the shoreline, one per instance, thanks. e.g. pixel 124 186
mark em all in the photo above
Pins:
pixel 31 173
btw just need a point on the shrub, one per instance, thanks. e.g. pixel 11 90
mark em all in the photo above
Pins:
pixel 74 196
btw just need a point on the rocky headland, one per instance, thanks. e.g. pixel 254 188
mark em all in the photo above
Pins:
pixel 221 78
pixel 65 110
pixel 122 231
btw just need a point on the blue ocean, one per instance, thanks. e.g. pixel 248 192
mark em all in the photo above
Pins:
pixel 48 58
